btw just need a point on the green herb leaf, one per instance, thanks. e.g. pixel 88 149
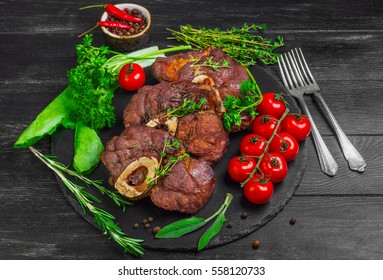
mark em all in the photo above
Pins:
pixel 87 148
pixel 188 106
pixel 181 227
pixel 47 121
pixel 245 44
pixel 212 231
pixel 235 106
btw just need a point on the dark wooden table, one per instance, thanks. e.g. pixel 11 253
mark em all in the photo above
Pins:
pixel 337 217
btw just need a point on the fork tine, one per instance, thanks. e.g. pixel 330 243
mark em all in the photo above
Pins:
pixel 298 69
pixel 306 66
pixel 295 67
pixel 291 71
pixel 282 74
pixel 284 79
pixel 290 84
pixel 302 68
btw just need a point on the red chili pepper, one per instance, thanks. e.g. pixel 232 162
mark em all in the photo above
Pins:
pixel 116 12
pixel 114 24
pixel 109 24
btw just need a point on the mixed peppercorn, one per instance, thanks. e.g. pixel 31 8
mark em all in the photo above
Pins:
pixel 121 22
pixel 135 23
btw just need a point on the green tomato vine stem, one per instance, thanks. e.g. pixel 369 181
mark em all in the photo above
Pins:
pixel 260 158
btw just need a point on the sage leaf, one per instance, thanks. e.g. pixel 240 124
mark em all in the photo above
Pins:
pixel 181 227
pixel 211 231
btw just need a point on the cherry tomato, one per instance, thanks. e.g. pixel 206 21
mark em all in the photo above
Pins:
pixel 274 167
pixel 272 104
pixel 239 168
pixel 297 125
pixel 285 144
pixel 265 125
pixel 258 191
pixel 252 145
pixel 131 77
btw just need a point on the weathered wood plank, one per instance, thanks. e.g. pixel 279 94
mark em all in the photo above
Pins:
pixel 63 16
pixel 330 228
pixel 340 58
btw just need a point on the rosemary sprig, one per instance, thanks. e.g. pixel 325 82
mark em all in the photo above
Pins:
pixel 245 45
pixel 86 200
pixel 115 196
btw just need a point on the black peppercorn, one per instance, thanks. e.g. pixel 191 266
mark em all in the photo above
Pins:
pixel 229 224
pixel 293 221
pixel 244 215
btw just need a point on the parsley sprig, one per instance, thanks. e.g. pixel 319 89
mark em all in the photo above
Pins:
pixel 86 200
pixel 235 106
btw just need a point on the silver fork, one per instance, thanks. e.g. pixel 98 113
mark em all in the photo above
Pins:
pixel 296 88
pixel 355 160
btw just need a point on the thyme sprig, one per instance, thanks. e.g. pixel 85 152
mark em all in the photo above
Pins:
pixel 245 44
pixel 86 200
pixel 164 169
pixel 209 62
pixel 188 106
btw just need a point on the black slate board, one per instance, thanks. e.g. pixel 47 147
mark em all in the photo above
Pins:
pixel 62 147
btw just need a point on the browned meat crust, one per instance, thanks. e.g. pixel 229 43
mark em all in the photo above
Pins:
pixel 179 68
pixel 187 188
pixel 203 135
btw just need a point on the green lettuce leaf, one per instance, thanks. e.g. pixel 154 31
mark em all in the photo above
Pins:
pixel 47 121
pixel 87 148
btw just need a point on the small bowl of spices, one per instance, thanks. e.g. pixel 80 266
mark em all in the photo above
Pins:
pixel 127 29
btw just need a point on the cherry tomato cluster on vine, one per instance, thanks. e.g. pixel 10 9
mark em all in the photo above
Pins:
pixel 274 142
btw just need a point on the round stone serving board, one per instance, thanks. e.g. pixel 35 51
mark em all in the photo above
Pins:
pixel 62 147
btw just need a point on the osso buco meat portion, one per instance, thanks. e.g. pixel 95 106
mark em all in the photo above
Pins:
pixel 187 188
pixel 203 135
pixel 133 157
pixel 192 68
pixel 151 104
